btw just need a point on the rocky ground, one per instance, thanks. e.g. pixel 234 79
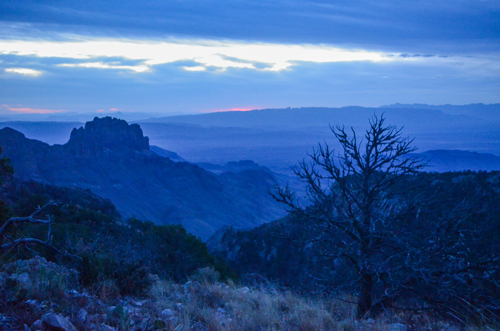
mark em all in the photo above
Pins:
pixel 40 295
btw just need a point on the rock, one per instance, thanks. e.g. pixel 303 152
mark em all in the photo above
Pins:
pixel 173 320
pixel 32 302
pixel 192 286
pixel 72 294
pixel 39 305
pixel 53 322
pixel 82 316
pixel 129 309
pixel 5 322
pixel 167 313
pixel 198 326
pixel 22 281
pixel 159 324
pixel 52 305
pixel 111 309
pixel 145 323
pixel 107 133
pixel 398 327
pixel 3 278
pixel 104 327
pixel 37 325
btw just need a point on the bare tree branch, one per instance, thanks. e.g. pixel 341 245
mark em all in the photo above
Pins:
pixel 33 219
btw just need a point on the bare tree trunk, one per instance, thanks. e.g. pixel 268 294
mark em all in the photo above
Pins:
pixel 365 296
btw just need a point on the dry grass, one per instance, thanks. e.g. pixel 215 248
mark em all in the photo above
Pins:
pixel 223 307
pixel 206 304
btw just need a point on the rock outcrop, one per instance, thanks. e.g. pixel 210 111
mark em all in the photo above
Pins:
pixel 106 134
pixel 113 160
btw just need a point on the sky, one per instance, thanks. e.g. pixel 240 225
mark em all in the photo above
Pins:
pixel 196 56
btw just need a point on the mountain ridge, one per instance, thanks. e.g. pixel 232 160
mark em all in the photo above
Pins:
pixel 143 184
pixel 314 116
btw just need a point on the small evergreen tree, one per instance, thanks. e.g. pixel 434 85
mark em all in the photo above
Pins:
pixel 6 169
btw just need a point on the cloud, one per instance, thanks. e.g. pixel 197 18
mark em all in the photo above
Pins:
pixel 101 65
pixel 33 110
pixel 195 68
pixel 24 71
pixel 220 55
pixel 404 55
pixel 446 26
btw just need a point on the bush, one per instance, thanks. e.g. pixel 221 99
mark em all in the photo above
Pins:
pixel 37 279
pixel 130 278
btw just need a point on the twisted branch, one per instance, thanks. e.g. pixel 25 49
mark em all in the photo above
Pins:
pixel 33 218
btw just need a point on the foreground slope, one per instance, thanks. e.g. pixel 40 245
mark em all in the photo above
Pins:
pixel 113 159
pixel 286 251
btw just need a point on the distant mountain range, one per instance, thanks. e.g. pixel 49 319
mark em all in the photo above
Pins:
pixel 113 159
pixel 488 112
pixel 415 119
pixel 455 160
pixel 279 138
pixel 10 116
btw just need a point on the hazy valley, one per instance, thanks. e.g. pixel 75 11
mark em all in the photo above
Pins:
pixel 279 138
pixel 121 201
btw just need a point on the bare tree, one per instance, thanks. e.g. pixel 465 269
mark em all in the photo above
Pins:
pixel 7 242
pixel 354 206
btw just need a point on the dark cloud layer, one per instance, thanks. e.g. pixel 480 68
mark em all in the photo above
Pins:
pixel 445 51
pixel 416 26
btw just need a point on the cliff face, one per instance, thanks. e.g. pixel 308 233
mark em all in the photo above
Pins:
pixel 25 153
pixel 113 160
pixel 104 134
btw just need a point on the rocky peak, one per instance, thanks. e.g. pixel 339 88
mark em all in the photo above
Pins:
pixel 11 134
pixel 108 133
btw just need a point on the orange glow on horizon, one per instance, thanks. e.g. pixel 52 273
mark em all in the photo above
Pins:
pixel 34 110
pixel 231 109
pixel 241 109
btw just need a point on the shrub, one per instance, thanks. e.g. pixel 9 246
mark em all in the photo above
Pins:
pixel 129 278
pixel 38 279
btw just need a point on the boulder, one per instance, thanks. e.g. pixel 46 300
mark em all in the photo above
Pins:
pixel 398 327
pixel 82 316
pixel 37 325
pixel 104 327
pixel 167 313
pixel 54 322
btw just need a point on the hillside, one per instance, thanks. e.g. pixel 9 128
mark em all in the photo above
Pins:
pixel 113 160
pixel 291 251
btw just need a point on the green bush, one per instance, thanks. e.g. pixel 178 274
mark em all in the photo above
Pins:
pixel 131 278
pixel 111 251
